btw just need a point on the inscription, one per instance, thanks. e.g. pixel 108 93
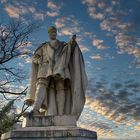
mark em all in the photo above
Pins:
pixel 51 120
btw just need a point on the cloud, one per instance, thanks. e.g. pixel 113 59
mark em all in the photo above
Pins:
pixel 114 25
pixel 27 59
pixel 19 9
pixel 99 44
pixel 101 5
pixel 133 85
pixel 93 14
pixel 64 21
pixel 52 5
pixel 116 85
pixel 52 14
pixel 101 132
pixel 39 16
pixel 71 25
pixel 13 11
pixel 83 48
pixel 117 103
pixel 24 44
pixel 109 10
pixel 114 2
pixel 21 64
pixel 125 43
pixel 109 55
pixel 60 22
pixel 90 121
pixel 4 1
pixel 24 48
pixel 96 57
pixel 68 26
pixel 13 87
pixel 121 30
pixel 88 34
pixel 54 8
pixel 128 44
pixel 112 20
pixel 109 24
pixel 136 52
pixel 91 4
pixel 65 31
pixel 108 109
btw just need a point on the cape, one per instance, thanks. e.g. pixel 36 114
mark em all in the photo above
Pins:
pixel 72 59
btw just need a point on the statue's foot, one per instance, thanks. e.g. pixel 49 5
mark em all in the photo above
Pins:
pixel 31 113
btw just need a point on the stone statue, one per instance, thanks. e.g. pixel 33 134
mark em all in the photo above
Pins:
pixel 58 80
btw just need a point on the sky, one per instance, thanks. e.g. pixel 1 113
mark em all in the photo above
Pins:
pixel 108 34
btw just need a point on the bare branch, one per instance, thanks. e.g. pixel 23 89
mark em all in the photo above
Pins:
pixel 12 38
pixel 14 93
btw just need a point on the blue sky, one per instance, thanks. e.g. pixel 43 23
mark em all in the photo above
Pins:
pixel 108 34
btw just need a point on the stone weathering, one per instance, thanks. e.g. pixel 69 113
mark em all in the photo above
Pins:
pixel 57 93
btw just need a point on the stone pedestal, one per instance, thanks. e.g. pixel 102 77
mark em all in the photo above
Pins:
pixel 50 128
pixel 43 121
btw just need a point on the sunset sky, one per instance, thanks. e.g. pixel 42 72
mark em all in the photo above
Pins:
pixel 108 33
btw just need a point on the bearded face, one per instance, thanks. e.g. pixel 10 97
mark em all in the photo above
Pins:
pixel 52 33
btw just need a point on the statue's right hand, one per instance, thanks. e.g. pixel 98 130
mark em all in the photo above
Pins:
pixel 37 59
pixel 28 102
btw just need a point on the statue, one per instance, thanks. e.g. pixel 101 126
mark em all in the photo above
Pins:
pixel 58 80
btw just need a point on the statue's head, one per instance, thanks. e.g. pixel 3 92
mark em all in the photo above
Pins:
pixel 52 31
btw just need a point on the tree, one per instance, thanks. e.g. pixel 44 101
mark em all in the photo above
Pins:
pixel 14 37
pixel 8 118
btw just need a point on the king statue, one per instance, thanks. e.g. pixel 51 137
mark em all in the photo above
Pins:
pixel 58 79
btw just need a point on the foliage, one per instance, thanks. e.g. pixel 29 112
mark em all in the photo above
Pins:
pixel 8 117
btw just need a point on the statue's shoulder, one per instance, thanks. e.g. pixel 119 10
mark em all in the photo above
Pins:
pixel 63 43
pixel 41 45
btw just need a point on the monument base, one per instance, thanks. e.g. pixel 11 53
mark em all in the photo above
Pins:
pixel 50 133
pixel 42 132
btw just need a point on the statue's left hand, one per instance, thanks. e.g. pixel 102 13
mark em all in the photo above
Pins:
pixel 73 39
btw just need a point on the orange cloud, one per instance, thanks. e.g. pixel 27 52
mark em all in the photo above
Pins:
pixel 14 11
pixel 54 8
pixel 67 25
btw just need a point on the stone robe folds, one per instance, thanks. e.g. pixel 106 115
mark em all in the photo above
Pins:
pixel 67 62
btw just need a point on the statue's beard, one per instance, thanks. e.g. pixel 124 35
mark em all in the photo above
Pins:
pixel 53 38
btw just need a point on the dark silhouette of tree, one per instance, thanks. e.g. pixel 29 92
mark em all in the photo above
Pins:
pixel 13 38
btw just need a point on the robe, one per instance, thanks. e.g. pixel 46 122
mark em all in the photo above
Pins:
pixel 64 62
